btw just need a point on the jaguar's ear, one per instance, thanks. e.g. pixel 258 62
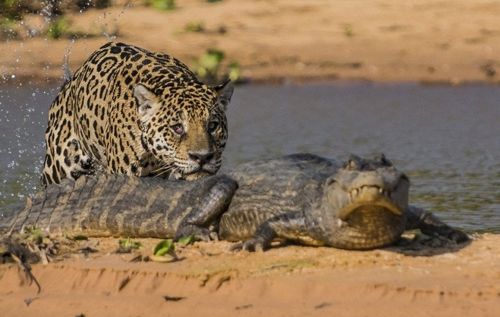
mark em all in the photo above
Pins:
pixel 147 102
pixel 225 92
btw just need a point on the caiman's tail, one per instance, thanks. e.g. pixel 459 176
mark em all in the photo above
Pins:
pixel 9 215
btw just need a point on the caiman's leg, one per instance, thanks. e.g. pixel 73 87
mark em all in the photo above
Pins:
pixel 290 226
pixel 208 209
pixel 431 225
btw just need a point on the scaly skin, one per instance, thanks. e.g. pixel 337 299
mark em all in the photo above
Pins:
pixel 360 204
pixel 118 205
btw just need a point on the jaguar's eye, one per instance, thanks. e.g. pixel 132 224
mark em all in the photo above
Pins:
pixel 178 129
pixel 212 126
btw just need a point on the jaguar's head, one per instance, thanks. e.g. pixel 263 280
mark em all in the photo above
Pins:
pixel 184 128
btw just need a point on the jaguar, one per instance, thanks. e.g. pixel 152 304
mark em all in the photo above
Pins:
pixel 131 111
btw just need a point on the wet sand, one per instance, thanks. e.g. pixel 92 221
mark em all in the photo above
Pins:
pixel 453 41
pixel 286 281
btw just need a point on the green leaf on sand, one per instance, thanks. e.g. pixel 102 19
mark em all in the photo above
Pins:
pixel 128 244
pixel 164 251
pixel 186 240
pixel 34 235
pixel 164 247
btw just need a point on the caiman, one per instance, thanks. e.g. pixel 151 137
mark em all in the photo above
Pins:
pixel 358 204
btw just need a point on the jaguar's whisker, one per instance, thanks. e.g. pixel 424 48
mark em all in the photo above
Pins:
pixel 161 168
pixel 163 172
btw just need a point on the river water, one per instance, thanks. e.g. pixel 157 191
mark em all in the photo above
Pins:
pixel 447 139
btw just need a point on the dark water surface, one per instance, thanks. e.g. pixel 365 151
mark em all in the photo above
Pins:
pixel 447 139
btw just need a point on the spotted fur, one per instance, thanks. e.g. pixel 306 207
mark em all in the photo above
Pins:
pixel 131 111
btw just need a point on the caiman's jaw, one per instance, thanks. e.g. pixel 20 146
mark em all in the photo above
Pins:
pixel 371 219
pixel 368 200
pixel 370 195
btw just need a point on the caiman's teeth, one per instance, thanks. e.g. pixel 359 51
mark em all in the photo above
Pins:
pixel 353 193
pixel 383 192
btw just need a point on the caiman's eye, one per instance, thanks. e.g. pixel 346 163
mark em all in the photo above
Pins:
pixel 354 163
pixel 178 129
pixel 212 126
pixel 330 180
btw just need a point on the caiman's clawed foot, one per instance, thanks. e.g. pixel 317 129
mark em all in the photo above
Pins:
pixel 454 235
pixel 430 225
pixel 251 245
pixel 198 233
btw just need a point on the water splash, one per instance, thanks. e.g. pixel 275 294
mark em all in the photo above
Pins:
pixel 111 36
pixel 48 10
pixel 23 106
pixel 67 75
pixel 23 118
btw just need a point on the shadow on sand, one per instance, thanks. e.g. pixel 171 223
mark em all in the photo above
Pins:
pixel 423 245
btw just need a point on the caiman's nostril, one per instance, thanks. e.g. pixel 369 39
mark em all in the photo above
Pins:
pixel 201 157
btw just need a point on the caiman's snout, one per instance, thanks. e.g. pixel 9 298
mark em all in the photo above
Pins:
pixel 370 216
pixel 369 186
pixel 368 198
pixel 369 195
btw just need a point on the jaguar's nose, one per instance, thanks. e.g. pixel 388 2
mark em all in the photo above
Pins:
pixel 201 157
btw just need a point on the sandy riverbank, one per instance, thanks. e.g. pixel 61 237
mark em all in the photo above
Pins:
pixel 383 40
pixel 287 281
